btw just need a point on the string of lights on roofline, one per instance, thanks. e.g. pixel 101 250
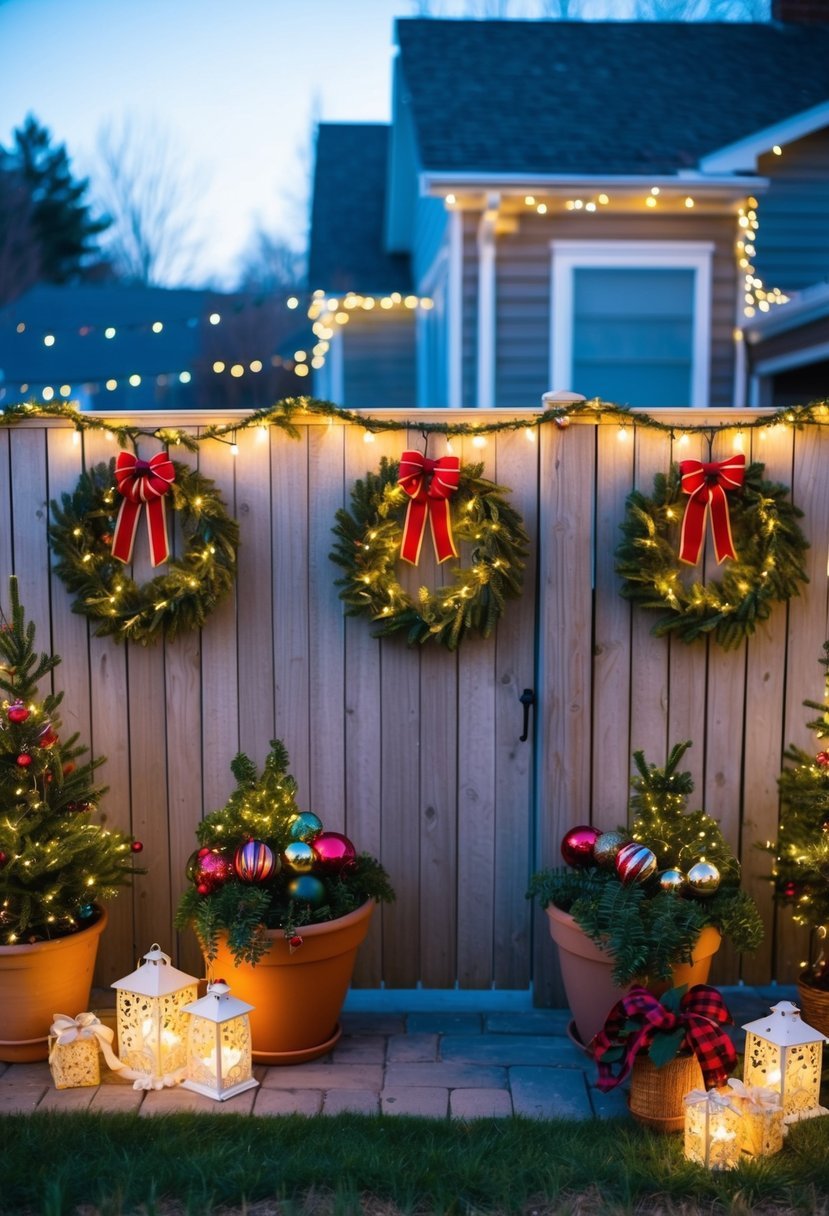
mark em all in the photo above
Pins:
pixel 561 409
pixel 328 313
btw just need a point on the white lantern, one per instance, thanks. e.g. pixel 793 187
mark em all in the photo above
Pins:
pixel 219 1063
pixel 784 1054
pixel 152 1029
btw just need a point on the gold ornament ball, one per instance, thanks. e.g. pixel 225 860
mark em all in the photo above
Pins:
pixel 703 879
pixel 298 857
pixel 606 848
pixel 673 881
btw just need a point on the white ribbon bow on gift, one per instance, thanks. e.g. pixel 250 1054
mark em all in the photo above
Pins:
pixel 88 1026
pixel 757 1097
pixel 713 1098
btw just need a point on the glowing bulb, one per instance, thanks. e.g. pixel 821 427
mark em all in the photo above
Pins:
pixel 777 150
pixel 542 208
pixel 49 340
pixel 479 441
pixel 529 434
pixel 157 327
pixel 184 377
pixel 368 437
pixel 111 385
pixel 135 380
pixel 218 366
pixel 214 318
pixel 110 331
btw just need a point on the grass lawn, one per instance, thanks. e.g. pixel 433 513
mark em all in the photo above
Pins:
pixel 108 1165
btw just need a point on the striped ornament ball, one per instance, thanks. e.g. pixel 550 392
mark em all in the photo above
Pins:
pixel 635 862
pixel 255 861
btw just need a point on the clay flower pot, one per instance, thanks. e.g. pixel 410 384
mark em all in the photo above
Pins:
pixel 40 979
pixel 297 994
pixel 586 971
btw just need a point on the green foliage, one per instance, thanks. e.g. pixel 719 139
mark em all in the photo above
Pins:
pixel 645 929
pixel 262 808
pixel 801 851
pixel 768 568
pixel 58 862
pixel 175 602
pixel 368 549
pixel 61 221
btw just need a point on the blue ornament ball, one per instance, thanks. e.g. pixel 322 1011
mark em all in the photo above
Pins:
pixel 306 889
pixel 305 825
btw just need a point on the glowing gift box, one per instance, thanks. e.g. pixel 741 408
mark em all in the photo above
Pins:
pixel 762 1118
pixel 152 1026
pixel 219 1062
pixel 784 1054
pixel 73 1051
pixel 713 1128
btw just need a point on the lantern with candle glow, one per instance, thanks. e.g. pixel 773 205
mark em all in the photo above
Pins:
pixel 713 1128
pixel 784 1054
pixel 219 1062
pixel 152 1029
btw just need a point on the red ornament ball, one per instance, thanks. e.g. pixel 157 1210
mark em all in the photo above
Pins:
pixel 47 736
pixel 213 869
pixel 18 712
pixel 822 758
pixel 577 845
pixel 255 861
pixel 204 888
pixel 4 857
pixel 334 853
pixel 24 760
pixel 137 846
pixel 635 862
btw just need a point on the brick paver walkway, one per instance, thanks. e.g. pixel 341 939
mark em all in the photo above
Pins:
pixel 459 1065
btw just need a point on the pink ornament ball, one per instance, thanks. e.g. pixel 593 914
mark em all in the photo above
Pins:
pixel 255 861
pixel 333 853
pixel 577 845
pixel 212 870
pixel 635 863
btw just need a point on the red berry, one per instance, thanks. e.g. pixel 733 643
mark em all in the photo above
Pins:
pixel 204 888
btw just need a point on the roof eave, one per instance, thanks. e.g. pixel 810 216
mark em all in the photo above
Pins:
pixel 438 182
pixel 742 156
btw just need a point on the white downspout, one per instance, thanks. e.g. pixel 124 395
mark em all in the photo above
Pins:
pixel 486 304
pixel 454 308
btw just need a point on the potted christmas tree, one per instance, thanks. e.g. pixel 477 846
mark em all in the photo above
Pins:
pixel 280 907
pixel 801 853
pixel 56 864
pixel 648 903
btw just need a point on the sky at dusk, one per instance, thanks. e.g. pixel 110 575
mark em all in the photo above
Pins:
pixel 237 83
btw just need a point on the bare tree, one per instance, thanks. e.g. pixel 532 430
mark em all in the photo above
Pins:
pixel 150 192
pixel 270 263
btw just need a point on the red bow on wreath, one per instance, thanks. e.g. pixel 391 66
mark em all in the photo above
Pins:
pixel 701 1014
pixel 707 483
pixel 429 485
pixel 142 482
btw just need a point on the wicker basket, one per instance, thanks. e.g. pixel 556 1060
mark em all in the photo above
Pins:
pixel 656 1094
pixel 814 1005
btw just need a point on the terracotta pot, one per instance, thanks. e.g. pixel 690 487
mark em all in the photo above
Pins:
pixel 586 971
pixel 297 995
pixel 41 979
pixel 814 1006
pixel 656 1094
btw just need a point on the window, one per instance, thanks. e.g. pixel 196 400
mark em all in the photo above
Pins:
pixel 631 321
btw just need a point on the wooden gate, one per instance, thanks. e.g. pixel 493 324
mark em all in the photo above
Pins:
pixel 416 754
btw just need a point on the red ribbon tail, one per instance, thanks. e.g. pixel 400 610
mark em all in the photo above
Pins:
pixel 721 526
pixel 157 531
pixel 693 528
pixel 440 518
pixel 413 529
pixel 125 527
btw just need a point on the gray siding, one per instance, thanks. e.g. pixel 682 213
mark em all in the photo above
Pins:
pixel 431 219
pixel 793 237
pixel 523 293
pixel 379 360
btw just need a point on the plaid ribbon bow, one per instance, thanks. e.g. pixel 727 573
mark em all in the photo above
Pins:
pixel 702 1014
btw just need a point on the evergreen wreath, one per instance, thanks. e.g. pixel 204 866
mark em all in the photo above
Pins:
pixel 768 567
pixel 368 547
pixel 171 603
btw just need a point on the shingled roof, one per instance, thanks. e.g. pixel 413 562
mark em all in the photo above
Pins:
pixel 598 97
pixel 347 248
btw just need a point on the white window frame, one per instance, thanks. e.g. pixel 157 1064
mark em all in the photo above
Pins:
pixel 567 256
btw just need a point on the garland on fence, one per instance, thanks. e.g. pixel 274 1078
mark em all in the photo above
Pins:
pixel 84 531
pixel 767 566
pixel 283 414
pixel 368 547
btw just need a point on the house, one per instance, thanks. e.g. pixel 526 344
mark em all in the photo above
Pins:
pixel 117 347
pixel 630 210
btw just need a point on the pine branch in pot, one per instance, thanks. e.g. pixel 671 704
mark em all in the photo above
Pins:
pixel 647 903
pixel 280 907
pixel 58 862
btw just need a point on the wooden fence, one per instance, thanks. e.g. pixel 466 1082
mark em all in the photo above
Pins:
pixel 416 754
